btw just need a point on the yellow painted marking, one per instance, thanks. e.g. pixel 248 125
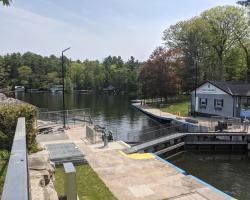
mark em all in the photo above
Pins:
pixel 138 156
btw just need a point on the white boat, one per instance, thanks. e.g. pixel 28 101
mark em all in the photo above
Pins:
pixel 56 88
pixel 19 88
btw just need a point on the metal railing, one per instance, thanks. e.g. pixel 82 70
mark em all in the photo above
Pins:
pixel 72 117
pixel 149 135
pixel 16 185
pixel 233 124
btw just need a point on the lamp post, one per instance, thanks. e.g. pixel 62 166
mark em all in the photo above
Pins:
pixel 195 95
pixel 64 120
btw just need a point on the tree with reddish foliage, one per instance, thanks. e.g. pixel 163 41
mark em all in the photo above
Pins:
pixel 158 77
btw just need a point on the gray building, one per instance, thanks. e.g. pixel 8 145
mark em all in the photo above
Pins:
pixel 221 98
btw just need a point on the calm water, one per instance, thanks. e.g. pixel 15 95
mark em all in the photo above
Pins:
pixel 230 173
pixel 115 111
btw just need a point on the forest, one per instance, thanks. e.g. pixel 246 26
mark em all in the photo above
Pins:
pixel 38 72
pixel 216 43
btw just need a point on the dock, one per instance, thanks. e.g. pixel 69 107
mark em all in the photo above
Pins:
pixel 164 117
pixel 137 176
pixel 203 124
pixel 173 143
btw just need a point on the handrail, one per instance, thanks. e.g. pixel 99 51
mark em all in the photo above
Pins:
pixel 16 185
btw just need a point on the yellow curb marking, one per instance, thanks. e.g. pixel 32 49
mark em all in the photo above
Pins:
pixel 138 156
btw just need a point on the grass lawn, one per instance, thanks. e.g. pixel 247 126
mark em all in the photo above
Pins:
pixel 89 185
pixel 3 170
pixel 177 105
pixel 175 108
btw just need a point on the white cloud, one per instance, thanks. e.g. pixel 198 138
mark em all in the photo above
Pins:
pixel 26 31
pixel 93 29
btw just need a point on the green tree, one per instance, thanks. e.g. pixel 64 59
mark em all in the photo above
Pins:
pixel 244 3
pixel 187 37
pixel 4 74
pixel 235 65
pixel 46 71
pixel 221 23
pixel 6 2
pixel 24 73
pixel 76 73
pixel 208 40
pixel 68 85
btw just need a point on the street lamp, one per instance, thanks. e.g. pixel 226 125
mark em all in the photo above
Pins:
pixel 64 120
pixel 195 95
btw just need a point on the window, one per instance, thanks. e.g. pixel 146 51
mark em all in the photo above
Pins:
pixel 248 103
pixel 203 103
pixel 218 104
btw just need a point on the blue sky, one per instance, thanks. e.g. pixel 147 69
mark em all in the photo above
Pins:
pixel 93 29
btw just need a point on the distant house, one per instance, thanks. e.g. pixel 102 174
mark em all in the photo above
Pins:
pixel 19 88
pixel 109 89
pixel 221 98
pixel 56 88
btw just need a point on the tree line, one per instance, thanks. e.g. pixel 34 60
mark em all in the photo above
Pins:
pixel 37 72
pixel 217 42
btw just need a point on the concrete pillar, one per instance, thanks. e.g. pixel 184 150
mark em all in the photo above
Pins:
pixel 70 181
pixel 248 146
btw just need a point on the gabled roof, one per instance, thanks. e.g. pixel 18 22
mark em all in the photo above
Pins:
pixel 232 88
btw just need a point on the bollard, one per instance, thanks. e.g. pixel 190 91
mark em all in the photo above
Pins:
pixel 105 138
pixel 70 181
pixel 245 125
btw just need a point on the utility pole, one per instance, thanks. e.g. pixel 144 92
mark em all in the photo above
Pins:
pixel 195 95
pixel 64 120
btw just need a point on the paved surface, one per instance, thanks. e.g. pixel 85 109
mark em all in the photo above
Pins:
pixel 129 178
pixel 155 111
pixel 208 122
pixel 51 137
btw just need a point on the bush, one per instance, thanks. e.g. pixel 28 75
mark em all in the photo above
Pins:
pixel 9 113
pixel 4 155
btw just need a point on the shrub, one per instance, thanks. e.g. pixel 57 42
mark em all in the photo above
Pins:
pixel 9 114
pixel 4 155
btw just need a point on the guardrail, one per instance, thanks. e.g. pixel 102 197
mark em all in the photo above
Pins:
pixel 71 117
pixel 16 185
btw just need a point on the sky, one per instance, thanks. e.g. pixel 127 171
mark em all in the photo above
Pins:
pixel 94 29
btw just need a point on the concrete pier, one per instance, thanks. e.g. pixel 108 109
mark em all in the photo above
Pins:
pixel 203 124
pixel 164 117
pixel 139 176
pixel 207 141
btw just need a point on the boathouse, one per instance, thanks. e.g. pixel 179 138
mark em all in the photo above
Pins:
pixel 221 98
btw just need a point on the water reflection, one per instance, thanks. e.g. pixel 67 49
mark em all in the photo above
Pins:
pixel 115 111
pixel 230 173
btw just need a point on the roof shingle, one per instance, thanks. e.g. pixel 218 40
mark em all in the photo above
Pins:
pixel 233 88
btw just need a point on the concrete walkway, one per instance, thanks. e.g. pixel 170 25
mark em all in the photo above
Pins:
pixel 144 177
pixel 208 123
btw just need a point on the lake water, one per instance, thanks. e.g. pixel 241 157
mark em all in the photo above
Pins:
pixel 230 173
pixel 112 110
